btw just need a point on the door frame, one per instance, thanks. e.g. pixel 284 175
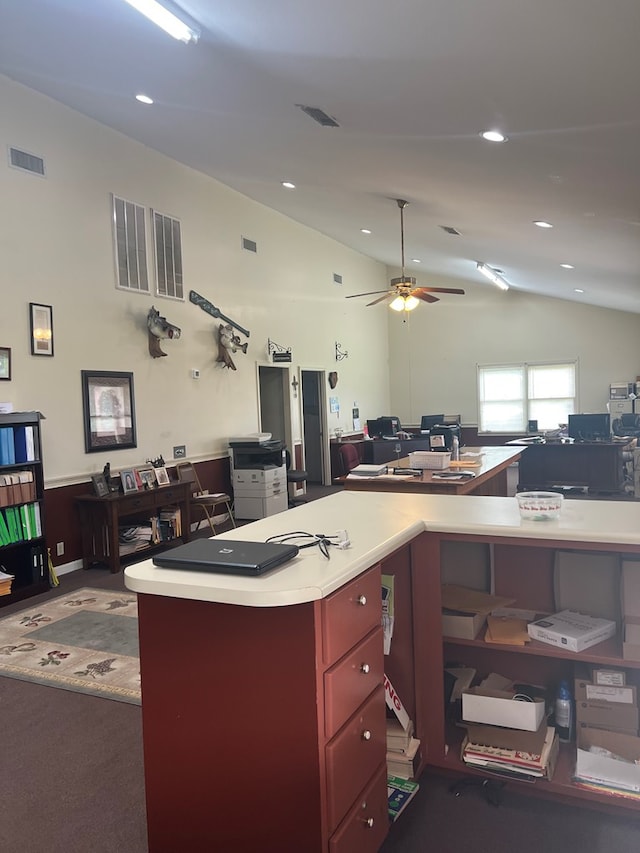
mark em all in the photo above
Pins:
pixel 324 419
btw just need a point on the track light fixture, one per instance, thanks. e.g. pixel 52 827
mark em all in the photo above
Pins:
pixel 493 275
pixel 168 17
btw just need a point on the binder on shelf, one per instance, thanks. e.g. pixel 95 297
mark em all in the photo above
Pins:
pixel 20 443
pixel 7 448
pixel 5 538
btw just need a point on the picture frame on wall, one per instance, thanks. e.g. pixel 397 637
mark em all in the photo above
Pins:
pixel 109 410
pixel 5 363
pixel 41 325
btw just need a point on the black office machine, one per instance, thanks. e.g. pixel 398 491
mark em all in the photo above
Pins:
pixel 258 475
pixel 441 437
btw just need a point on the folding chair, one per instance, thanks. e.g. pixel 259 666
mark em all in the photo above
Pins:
pixel 202 500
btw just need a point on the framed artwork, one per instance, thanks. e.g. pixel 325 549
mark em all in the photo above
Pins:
pixel 109 410
pixel 5 363
pixel 41 323
pixel 147 477
pixel 162 477
pixel 128 479
pixel 100 485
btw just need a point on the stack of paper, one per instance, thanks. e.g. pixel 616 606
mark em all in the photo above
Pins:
pixel 514 762
pixel 506 630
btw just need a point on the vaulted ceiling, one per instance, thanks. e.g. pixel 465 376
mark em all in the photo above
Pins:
pixel 411 84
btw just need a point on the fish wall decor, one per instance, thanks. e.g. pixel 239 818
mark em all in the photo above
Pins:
pixel 159 329
pixel 228 343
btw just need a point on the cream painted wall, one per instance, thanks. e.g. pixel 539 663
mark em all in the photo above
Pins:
pixel 435 351
pixel 56 249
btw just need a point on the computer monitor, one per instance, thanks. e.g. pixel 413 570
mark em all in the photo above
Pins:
pixel 428 421
pixel 388 425
pixel 590 427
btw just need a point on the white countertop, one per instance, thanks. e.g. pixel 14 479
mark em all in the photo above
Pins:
pixel 377 524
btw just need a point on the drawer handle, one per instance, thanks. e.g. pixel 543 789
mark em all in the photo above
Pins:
pixel 365 668
pixel 369 823
pixel 362 600
pixel 366 735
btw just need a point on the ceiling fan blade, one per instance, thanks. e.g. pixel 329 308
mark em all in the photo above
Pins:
pixel 443 290
pixel 426 297
pixel 380 299
pixel 371 293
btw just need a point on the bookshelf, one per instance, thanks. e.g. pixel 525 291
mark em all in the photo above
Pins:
pixel 102 517
pixel 23 551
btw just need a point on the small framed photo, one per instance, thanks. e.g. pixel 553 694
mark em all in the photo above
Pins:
pixel 5 363
pixel 41 321
pixel 100 486
pixel 147 477
pixel 162 477
pixel 128 479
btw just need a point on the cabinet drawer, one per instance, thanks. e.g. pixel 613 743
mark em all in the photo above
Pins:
pixel 354 755
pixel 348 683
pixel 168 494
pixel 366 826
pixel 136 503
pixel 350 613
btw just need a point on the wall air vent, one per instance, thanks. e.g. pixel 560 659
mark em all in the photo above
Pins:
pixel 249 245
pixel 450 230
pixel 25 161
pixel 337 278
pixel 319 115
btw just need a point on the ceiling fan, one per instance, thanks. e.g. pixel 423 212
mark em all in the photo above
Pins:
pixel 403 291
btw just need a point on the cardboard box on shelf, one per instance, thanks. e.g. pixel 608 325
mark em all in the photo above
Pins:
pixel 608 758
pixel 502 738
pixel 572 631
pixel 461 624
pixel 614 677
pixel 609 715
pixel 603 693
pixel 630 592
pixel 465 610
pixel 501 708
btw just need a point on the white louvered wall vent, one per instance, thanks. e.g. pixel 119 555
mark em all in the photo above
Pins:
pixel 26 162
pixel 337 278
pixel 249 245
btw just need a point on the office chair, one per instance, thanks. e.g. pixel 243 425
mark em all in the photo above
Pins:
pixel 295 477
pixel 202 500
pixel 349 457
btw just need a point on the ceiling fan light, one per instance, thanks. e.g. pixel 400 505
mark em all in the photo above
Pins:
pixel 410 303
pixel 398 304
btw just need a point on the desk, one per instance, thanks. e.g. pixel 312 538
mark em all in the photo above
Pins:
pixel 595 466
pixel 490 479
pixel 263 668
pixel 100 519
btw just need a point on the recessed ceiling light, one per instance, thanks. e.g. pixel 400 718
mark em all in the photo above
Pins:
pixel 567 266
pixel 365 231
pixel 578 290
pixel 288 185
pixel 493 136
pixel 144 99
pixel 416 260
pixel 542 224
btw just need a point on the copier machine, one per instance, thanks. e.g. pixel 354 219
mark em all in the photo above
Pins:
pixel 258 475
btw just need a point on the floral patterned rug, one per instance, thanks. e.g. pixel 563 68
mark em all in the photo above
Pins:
pixel 86 641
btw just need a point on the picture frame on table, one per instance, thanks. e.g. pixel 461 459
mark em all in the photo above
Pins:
pixel 162 476
pixel 128 479
pixel 147 477
pixel 109 410
pixel 100 485
pixel 41 327
pixel 5 363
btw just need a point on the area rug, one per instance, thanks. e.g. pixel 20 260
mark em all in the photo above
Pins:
pixel 86 641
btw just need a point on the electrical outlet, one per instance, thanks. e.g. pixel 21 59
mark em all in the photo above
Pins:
pixel 180 451
pixel 60 549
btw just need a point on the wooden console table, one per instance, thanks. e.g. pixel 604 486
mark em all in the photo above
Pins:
pixel 100 519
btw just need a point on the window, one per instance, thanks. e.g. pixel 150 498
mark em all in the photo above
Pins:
pixel 130 245
pixel 168 245
pixel 509 395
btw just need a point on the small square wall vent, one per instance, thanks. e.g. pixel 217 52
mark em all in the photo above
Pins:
pixel 25 161
pixel 337 278
pixel 249 245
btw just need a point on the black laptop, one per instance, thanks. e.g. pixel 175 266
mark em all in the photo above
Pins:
pixel 227 556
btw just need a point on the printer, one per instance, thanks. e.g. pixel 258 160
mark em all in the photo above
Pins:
pixel 258 451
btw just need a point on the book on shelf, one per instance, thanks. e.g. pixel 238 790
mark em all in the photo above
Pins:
pixel 404 764
pixel 514 761
pixel 398 738
pixel 400 792
pixel 5 582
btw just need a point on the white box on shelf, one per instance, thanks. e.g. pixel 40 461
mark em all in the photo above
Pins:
pixel 502 708
pixel 571 630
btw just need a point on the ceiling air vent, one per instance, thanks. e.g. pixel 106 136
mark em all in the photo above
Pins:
pixel 337 278
pixel 27 162
pixel 450 230
pixel 319 115
pixel 249 245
